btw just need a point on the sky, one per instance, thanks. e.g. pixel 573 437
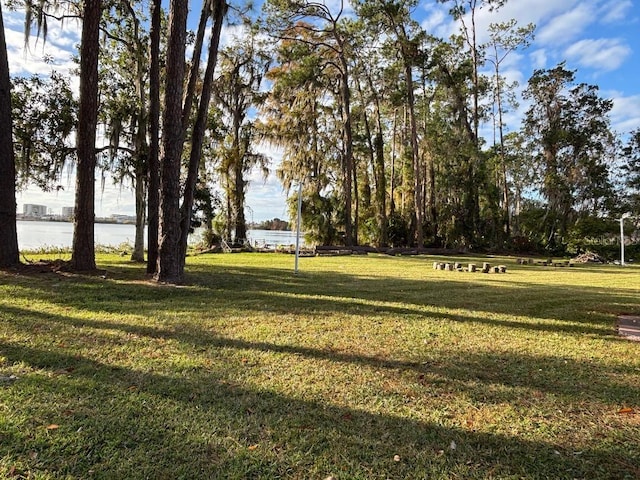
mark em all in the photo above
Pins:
pixel 600 39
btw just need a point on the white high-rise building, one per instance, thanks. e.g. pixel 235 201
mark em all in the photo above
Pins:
pixel 32 210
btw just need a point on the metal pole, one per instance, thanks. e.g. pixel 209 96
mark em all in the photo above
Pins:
pixel 622 240
pixel 295 270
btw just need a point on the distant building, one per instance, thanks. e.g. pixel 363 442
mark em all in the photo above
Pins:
pixel 67 212
pixel 36 211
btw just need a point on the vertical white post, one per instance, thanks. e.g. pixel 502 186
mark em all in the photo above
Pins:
pixel 622 240
pixel 295 269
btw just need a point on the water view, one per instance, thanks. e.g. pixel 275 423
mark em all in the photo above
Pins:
pixel 34 235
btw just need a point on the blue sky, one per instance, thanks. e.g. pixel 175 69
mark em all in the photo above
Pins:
pixel 598 38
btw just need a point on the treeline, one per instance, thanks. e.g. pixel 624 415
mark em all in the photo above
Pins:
pixel 392 135
pixel 273 224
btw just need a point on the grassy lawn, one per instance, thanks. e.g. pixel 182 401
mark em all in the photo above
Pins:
pixel 363 367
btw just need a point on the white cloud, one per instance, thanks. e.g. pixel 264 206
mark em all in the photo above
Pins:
pixel 625 114
pixel 567 26
pixel 538 12
pixel 266 199
pixel 601 54
pixel 437 21
pixel 538 58
pixel 615 11
pixel 39 57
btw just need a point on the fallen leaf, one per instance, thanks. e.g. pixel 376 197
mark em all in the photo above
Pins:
pixel 626 410
pixel 253 447
pixel 53 426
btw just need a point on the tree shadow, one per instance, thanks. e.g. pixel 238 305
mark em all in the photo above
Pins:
pixel 576 310
pixel 566 377
pixel 261 434
pixel 336 439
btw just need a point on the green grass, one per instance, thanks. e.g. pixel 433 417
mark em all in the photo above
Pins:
pixel 364 367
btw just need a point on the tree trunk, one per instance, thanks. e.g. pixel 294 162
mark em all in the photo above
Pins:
pixel 200 127
pixel 153 201
pixel 142 152
pixel 9 254
pixel 376 158
pixel 348 171
pixel 239 223
pixel 392 189
pixel 503 165
pixel 238 207
pixel 141 210
pixel 83 253
pixel 417 177
pixel 170 267
pixel 194 72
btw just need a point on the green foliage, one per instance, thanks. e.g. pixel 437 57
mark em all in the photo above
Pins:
pixel 320 215
pixel 273 224
pixel 631 169
pixel 243 65
pixel 570 138
pixel 398 230
pixel 44 119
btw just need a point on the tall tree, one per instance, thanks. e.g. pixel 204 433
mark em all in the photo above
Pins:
pixel 330 39
pixel 466 13
pixel 169 262
pixel 237 91
pixel 123 85
pixel 570 136
pixel 505 38
pixel 45 118
pixel 9 254
pixel 217 10
pixel 395 18
pixel 299 118
pixel 153 197
pixel 83 254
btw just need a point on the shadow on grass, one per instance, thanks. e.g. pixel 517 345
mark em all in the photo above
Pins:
pixel 141 424
pixel 570 309
pixel 471 373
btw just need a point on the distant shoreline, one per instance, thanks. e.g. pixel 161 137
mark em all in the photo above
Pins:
pixel 66 220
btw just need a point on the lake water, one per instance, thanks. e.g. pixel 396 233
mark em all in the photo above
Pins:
pixel 36 235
